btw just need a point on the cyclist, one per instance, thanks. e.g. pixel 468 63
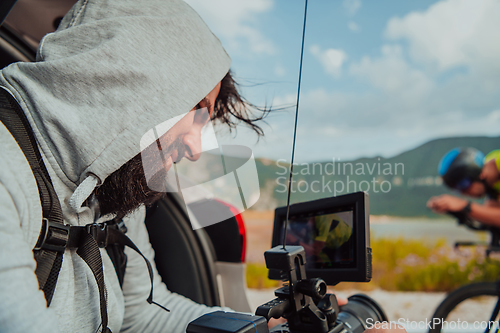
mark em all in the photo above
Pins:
pixel 332 233
pixel 468 171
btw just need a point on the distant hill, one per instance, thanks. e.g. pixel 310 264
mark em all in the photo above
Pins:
pixel 398 186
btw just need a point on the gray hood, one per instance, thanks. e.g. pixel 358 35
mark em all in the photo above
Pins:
pixel 112 71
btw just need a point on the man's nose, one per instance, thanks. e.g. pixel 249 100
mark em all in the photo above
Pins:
pixel 192 143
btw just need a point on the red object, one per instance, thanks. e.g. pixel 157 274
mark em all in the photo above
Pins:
pixel 241 227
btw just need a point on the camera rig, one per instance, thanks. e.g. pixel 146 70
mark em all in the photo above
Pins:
pixel 304 302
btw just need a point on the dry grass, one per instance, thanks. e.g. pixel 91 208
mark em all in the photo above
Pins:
pixel 410 265
pixel 398 264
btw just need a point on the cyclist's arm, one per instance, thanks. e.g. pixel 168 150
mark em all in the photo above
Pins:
pixel 489 213
pixel 446 203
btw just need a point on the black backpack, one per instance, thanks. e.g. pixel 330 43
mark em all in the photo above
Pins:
pixel 55 237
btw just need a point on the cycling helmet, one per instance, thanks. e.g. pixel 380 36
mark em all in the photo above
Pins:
pixel 460 167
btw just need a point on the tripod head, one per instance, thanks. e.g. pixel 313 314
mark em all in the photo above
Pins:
pixel 303 302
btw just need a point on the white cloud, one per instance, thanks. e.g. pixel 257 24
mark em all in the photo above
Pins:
pixel 332 124
pixel 452 33
pixel 353 26
pixel 453 123
pixel 235 21
pixel 331 59
pixel 352 6
pixel 391 73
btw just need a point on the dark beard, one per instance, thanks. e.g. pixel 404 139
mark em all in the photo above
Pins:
pixel 126 189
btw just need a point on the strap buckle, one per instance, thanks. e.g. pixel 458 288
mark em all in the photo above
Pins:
pixel 53 237
pixel 99 232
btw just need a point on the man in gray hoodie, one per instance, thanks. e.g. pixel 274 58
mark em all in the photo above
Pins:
pixel 111 72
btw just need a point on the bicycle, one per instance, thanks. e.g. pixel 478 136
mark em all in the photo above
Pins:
pixel 488 293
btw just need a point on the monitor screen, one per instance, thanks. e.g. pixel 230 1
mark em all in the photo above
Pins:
pixel 334 233
pixel 326 238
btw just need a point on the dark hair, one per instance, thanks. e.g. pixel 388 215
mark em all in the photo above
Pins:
pixel 231 108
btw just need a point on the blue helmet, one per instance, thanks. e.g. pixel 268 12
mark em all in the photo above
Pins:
pixel 460 167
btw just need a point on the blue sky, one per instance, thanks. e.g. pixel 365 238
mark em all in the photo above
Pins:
pixel 379 77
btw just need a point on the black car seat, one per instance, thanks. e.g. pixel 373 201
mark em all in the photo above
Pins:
pixel 184 257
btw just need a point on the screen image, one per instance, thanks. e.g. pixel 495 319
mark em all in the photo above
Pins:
pixel 326 238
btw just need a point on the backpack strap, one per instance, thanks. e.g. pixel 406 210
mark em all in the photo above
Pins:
pixel 48 259
pixel 55 237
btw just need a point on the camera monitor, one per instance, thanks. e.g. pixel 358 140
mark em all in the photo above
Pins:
pixel 335 234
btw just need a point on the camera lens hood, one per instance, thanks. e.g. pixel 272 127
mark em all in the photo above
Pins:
pixel 357 312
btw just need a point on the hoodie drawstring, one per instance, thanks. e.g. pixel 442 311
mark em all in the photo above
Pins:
pixel 82 192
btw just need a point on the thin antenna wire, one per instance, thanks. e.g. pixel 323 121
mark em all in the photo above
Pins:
pixel 295 128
